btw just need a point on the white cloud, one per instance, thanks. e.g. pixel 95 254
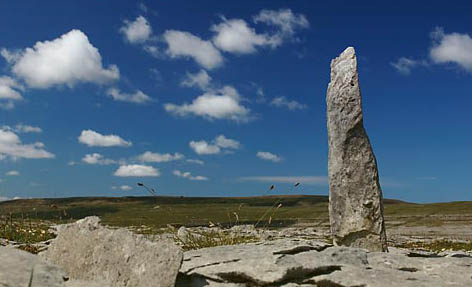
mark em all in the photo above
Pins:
pixel 11 146
pixel 10 56
pixel 153 51
pixel 218 144
pixel 137 31
pixel 8 89
pixel 224 142
pixel 188 175
pixel 284 19
pixel 452 48
pixel 67 60
pixel 136 170
pixel 122 187
pixel 200 79
pixel 13 173
pixel 92 138
pixel 221 104
pixel 405 65
pixel 185 45
pixel 138 97
pixel 235 36
pixel 291 105
pixel 309 180
pixel 9 92
pixel 96 158
pixel 265 155
pixel 202 147
pixel 21 128
pixel 195 161
pixel 157 157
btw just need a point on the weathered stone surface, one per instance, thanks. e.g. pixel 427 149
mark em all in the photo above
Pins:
pixel 355 203
pixel 292 262
pixel 19 268
pixel 88 251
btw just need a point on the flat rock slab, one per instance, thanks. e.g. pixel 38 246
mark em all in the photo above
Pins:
pixel 292 262
pixel 89 251
pixel 22 269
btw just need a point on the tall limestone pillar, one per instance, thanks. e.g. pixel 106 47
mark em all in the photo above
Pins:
pixel 355 197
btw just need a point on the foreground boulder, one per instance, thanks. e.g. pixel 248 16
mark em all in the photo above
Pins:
pixel 20 268
pixel 87 250
pixel 299 262
pixel 355 197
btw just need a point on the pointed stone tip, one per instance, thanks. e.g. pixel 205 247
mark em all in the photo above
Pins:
pixel 348 51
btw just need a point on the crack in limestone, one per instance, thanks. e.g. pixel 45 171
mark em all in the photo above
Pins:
pixel 300 249
pixel 294 275
pixel 211 264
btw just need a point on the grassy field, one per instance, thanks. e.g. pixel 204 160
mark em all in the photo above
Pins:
pixel 27 221
pixel 156 212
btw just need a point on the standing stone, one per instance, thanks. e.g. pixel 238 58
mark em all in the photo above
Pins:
pixel 355 197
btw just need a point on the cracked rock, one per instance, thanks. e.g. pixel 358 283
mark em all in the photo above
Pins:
pixel 89 251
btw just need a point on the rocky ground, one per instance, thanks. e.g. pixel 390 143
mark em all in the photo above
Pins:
pixel 88 254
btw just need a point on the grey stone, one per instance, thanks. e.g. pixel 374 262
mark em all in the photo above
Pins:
pixel 252 264
pixel 355 196
pixel 90 251
pixel 292 263
pixel 20 268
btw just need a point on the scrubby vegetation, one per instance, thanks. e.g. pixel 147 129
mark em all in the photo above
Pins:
pixel 439 246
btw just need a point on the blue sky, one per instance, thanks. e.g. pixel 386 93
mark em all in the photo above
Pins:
pixel 219 98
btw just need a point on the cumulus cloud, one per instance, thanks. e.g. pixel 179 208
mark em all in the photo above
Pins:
pixel 67 60
pixel 136 170
pixel 11 146
pixel 9 92
pixel 224 142
pixel 235 36
pixel 224 103
pixel 195 161
pixel 13 173
pixel 284 19
pixel 157 157
pixel 309 180
pixel 203 147
pixel 188 175
pixel 185 45
pixel 137 31
pixel 218 144
pixel 451 48
pixel 154 51
pixel 122 187
pixel 92 138
pixel 265 155
pixel 138 97
pixel 201 80
pixel 96 158
pixel 404 65
pixel 291 105
pixel 21 128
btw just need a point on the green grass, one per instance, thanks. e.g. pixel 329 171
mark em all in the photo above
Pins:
pixel 210 238
pixel 158 212
pixel 23 230
pixel 27 220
